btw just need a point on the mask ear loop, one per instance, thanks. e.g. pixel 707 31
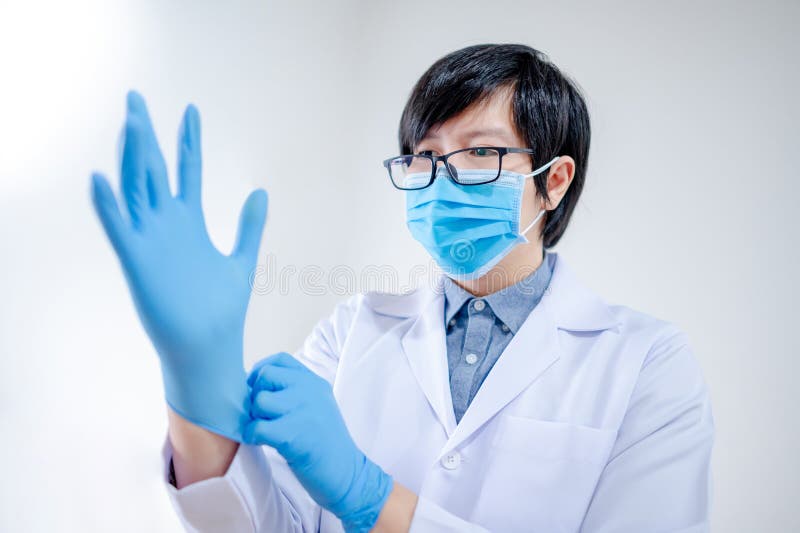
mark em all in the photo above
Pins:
pixel 533 223
pixel 543 211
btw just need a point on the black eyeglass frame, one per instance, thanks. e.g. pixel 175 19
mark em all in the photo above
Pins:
pixel 452 174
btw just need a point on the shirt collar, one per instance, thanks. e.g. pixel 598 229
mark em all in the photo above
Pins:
pixel 454 299
pixel 511 305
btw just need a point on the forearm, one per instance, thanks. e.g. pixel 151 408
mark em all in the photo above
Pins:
pixel 397 512
pixel 198 454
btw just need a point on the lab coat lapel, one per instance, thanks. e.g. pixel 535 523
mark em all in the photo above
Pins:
pixel 426 349
pixel 530 353
pixel 566 305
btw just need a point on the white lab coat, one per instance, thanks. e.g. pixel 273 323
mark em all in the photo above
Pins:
pixel 595 418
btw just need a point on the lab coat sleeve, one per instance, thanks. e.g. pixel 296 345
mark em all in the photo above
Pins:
pixel 259 492
pixel 658 476
pixel 431 518
pixel 320 351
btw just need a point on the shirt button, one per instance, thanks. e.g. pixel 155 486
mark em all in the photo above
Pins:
pixel 451 461
pixel 452 322
pixel 504 328
pixel 471 358
pixel 479 305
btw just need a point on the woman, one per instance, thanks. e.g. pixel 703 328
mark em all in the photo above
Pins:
pixel 504 397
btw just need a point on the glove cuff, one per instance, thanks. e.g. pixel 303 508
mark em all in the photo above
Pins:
pixel 372 487
pixel 216 403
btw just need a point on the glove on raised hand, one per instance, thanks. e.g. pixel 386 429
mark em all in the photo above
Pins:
pixel 191 299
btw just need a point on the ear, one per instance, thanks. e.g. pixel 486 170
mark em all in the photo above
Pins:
pixel 558 180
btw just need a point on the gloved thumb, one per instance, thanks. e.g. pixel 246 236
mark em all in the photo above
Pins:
pixel 251 226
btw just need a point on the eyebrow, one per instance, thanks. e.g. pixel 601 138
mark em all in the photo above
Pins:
pixel 471 134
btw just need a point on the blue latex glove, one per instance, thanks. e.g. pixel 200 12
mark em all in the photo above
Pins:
pixel 190 298
pixel 294 411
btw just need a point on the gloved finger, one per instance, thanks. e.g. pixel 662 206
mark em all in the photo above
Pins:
pixel 251 227
pixel 279 359
pixel 105 204
pixel 271 404
pixel 189 157
pixel 273 378
pixel 286 360
pixel 267 432
pixel 157 182
pixel 134 187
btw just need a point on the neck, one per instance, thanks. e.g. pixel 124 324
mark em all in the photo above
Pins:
pixel 522 261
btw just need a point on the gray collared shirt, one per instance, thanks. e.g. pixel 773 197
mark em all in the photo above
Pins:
pixel 479 329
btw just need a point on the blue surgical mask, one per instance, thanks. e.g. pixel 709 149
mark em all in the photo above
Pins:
pixel 469 229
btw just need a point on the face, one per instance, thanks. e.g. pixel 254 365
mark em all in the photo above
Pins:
pixel 491 123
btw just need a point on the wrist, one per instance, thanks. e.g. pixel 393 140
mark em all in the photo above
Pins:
pixel 197 453
pixel 398 511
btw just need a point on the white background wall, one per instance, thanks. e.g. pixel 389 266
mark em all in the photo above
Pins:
pixel 690 211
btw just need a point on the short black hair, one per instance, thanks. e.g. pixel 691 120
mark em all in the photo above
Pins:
pixel 549 111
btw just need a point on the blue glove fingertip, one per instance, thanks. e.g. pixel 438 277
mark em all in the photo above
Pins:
pixel 257 206
pixel 275 359
pixel 263 197
pixel 134 101
pixel 253 375
pixel 247 433
pixel 191 127
pixel 107 209
pixel 250 402
pixel 192 110
pixel 97 180
pixel 101 193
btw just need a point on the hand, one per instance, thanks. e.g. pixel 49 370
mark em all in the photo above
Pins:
pixel 190 298
pixel 294 411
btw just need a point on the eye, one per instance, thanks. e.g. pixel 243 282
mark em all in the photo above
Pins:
pixel 425 152
pixel 482 152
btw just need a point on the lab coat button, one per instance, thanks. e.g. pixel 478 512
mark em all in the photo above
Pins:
pixel 451 461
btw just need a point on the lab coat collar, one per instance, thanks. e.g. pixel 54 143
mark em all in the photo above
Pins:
pixel 566 305
pixel 574 307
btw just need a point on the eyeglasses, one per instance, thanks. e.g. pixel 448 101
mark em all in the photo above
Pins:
pixel 417 171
